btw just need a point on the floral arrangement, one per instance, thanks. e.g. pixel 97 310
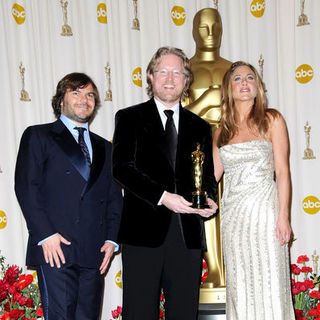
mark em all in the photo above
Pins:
pixel 205 270
pixel 19 297
pixel 161 310
pixel 306 293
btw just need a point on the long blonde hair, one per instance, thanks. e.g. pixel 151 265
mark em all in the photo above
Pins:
pixel 259 116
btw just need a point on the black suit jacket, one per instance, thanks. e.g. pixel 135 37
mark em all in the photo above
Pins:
pixel 140 164
pixel 55 198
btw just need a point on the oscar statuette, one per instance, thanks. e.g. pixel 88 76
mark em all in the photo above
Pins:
pixel 199 197
pixel 66 29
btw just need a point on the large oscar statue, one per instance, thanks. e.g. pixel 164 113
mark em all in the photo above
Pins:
pixel 208 69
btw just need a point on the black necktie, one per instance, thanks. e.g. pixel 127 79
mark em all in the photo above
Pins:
pixel 84 148
pixel 83 145
pixel 171 138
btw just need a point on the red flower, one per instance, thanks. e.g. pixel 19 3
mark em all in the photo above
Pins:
pixel 22 301
pixel 313 313
pixel 24 281
pixel 314 294
pixel 302 259
pixel 306 269
pixel 296 270
pixel 295 291
pixel 12 289
pixel 204 264
pixel 299 314
pixel 303 287
pixel 204 277
pixel 119 309
pixel 6 307
pixel 115 314
pixel 309 283
pixel 39 312
pixel 5 316
pixel 29 303
pixel 17 296
pixel 161 296
pixel 11 274
pixel 161 314
pixel 15 314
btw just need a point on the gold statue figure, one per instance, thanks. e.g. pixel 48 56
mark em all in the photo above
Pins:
pixel 261 63
pixel 199 197
pixel 308 152
pixel 108 96
pixel 208 68
pixel 197 158
pixel 24 95
pixel 315 259
pixel 66 29
pixel 303 19
pixel 135 21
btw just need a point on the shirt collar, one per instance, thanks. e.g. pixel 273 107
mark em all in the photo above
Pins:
pixel 161 107
pixel 71 124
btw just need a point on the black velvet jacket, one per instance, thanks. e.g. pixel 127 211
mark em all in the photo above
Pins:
pixel 141 166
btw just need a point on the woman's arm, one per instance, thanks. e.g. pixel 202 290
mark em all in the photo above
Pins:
pixel 280 143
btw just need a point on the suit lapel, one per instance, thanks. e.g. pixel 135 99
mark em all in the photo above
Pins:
pixel 68 145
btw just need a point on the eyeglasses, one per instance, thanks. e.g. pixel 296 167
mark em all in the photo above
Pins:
pixel 165 73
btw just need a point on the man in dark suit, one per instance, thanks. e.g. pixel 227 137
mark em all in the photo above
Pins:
pixel 70 201
pixel 163 237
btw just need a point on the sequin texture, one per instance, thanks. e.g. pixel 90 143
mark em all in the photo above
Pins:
pixel 257 267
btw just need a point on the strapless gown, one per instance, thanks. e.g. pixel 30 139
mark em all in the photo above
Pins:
pixel 257 267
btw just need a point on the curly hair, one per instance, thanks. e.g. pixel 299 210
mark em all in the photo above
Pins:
pixel 73 81
pixel 259 115
pixel 155 60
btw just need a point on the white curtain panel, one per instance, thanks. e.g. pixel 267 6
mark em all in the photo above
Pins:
pixel 35 55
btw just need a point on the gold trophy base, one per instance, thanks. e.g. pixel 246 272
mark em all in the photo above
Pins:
pixel 135 24
pixel 212 295
pixel 66 31
pixel 303 20
pixel 308 154
pixel 108 96
pixel 199 200
pixel 24 95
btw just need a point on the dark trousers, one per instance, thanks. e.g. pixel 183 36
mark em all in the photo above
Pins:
pixel 171 266
pixel 70 293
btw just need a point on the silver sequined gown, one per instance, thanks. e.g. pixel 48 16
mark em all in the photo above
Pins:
pixel 257 267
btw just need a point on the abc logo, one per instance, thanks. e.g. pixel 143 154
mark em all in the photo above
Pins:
pixel 257 8
pixel 136 77
pixel 118 280
pixel 3 220
pixel 178 15
pixel 311 205
pixel 18 13
pixel 304 73
pixel 102 13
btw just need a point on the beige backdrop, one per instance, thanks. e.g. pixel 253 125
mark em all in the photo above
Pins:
pixel 35 54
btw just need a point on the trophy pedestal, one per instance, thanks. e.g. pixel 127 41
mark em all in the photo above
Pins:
pixel 303 20
pixel 199 200
pixel 212 295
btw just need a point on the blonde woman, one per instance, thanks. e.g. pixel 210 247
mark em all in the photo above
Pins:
pixel 251 148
